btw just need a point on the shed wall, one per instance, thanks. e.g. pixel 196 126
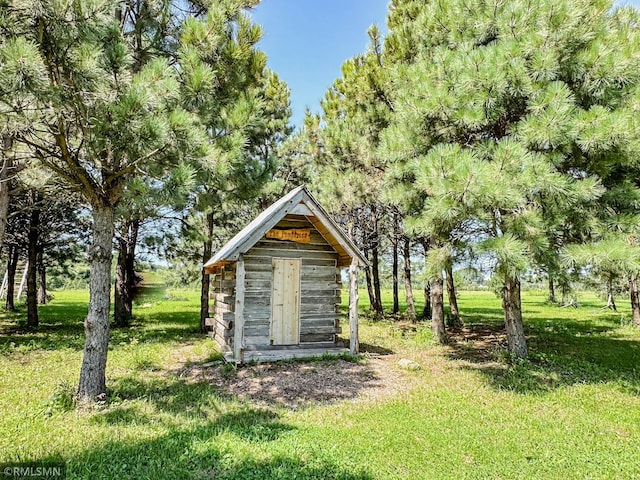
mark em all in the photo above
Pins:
pixel 320 286
pixel 222 307
pixel 320 290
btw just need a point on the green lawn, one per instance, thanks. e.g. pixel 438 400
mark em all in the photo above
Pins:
pixel 572 412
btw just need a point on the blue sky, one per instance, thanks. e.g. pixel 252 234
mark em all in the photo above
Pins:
pixel 308 40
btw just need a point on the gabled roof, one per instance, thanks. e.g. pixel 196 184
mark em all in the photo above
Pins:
pixel 298 201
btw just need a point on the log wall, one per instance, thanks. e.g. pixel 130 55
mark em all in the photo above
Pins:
pixel 320 290
pixel 221 307
pixel 320 286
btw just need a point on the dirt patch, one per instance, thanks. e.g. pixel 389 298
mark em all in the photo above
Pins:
pixel 477 344
pixel 302 384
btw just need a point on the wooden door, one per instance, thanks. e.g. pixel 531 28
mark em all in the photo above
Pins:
pixel 285 301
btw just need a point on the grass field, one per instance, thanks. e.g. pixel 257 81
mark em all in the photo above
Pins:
pixel 573 411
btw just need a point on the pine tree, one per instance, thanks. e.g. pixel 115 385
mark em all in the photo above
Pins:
pixel 499 112
pixel 82 105
pixel 245 109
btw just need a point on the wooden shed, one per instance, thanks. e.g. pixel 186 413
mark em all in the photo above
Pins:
pixel 276 284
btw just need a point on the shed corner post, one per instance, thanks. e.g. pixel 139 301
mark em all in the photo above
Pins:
pixel 238 332
pixel 354 345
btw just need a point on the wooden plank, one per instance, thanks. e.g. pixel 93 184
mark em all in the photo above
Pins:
pixel 312 308
pixel 325 291
pixel 315 299
pixel 277 252
pixel 294 222
pixel 314 238
pixel 320 318
pixel 212 321
pixel 301 209
pixel 224 307
pixel 258 304
pixel 257 323
pixel 263 263
pixel 293 246
pixel 238 341
pixel 257 285
pixel 264 256
pixel 354 343
pixel 256 341
pixel 323 274
pixel 257 317
pixel 317 270
pixel 316 337
pixel 307 329
pixel 261 330
pixel 225 317
pixel 312 285
pixel 280 354
pixel 229 291
pixel 253 309
pixel 217 309
pixel 221 297
pixel 219 285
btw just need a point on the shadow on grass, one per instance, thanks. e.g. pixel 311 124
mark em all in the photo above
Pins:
pixel 62 326
pixel 202 452
pixel 563 352
pixel 376 349
pixel 202 435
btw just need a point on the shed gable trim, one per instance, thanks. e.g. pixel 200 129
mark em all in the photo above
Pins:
pixel 299 199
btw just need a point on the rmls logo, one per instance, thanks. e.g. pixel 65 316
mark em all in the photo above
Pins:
pixel 33 471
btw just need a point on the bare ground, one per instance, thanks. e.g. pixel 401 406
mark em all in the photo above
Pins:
pixel 302 384
pixel 299 384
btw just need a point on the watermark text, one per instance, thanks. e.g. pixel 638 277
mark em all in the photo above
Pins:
pixel 33 470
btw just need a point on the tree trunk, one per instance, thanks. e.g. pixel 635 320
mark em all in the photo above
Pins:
pixel 125 273
pixel 635 300
pixel 372 294
pixel 511 304
pixel 411 306
pixel 552 290
pixel 4 189
pixel 394 273
pixel 42 283
pixel 32 266
pixel 375 264
pixel 130 264
pixel 426 311
pixel 611 301
pixel 437 302
pixel 454 313
pixel 204 279
pixel 121 315
pixel 92 384
pixel 12 265
pixel 565 295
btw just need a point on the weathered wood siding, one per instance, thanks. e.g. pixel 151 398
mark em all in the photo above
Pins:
pixel 319 290
pixel 222 305
pixel 319 281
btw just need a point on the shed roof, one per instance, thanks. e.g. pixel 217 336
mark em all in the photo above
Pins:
pixel 298 201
